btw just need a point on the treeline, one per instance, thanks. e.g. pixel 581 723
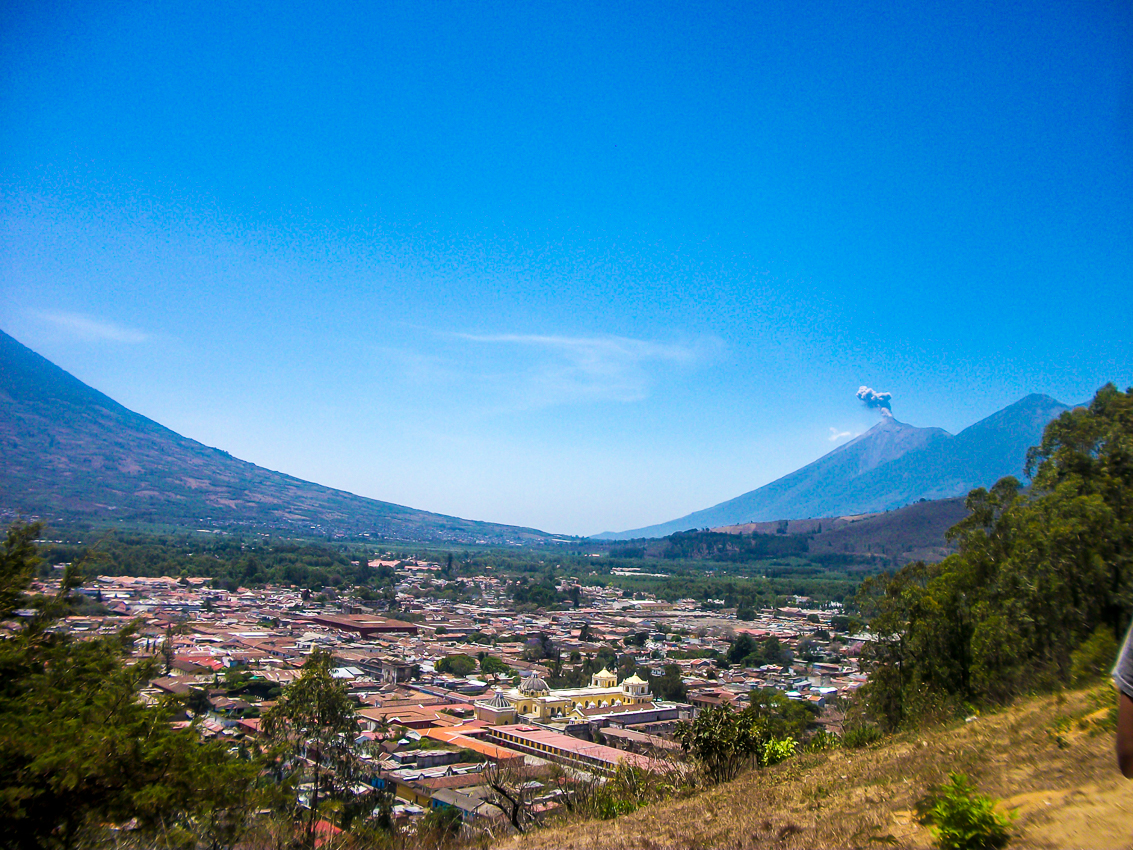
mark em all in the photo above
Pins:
pixel 1039 592
pixel 700 565
pixel 739 591
pixel 229 561
pixel 716 546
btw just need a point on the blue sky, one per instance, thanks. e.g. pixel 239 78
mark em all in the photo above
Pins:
pixel 564 265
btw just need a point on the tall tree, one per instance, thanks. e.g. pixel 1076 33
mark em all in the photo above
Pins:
pixel 314 726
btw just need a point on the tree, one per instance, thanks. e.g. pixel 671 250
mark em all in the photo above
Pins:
pixel 1037 573
pixel 782 717
pixel 457 665
pixel 669 686
pixel 168 654
pixel 741 649
pixel 79 751
pixel 18 562
pixel 313 724
pixel 513 789
pixel 723 742
pixel 1086 459
pixel 539 647
pixel 440 826
pixel 490 665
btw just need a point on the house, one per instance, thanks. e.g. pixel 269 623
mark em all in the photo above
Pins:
pixel 395 672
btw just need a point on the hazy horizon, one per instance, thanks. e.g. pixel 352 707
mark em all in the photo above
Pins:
pixel 574 268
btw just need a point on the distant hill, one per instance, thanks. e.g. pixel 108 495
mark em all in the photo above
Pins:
pixel 912 533
pixel 891 465
pixel 862 542
pixel 71 453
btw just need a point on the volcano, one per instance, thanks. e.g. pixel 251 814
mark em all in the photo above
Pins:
pixel 891 465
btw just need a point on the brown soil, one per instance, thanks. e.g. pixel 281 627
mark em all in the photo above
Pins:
pixel 1049 760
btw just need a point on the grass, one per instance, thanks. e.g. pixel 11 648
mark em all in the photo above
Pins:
pixel 1047 759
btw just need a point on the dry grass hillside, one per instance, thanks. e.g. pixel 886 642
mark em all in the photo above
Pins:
pixel 1049 760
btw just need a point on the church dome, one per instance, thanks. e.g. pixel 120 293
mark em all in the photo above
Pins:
pixel 533 685
pixel 498 701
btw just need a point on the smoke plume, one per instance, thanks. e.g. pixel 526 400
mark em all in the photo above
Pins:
pixel 876 399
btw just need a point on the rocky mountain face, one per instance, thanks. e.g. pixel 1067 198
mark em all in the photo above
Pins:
pixel 891 465
pixel 70 453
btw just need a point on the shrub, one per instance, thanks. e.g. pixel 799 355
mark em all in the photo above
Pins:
pixel 607 803
pixel 822 740
pixel 627 790
pixel 861 736
pixel 723 742
pixel 964 819
pixel 1094 657
pixel 777 750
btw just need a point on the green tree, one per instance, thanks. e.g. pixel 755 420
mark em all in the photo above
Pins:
pixel 79 751
pixel 490 665
pixel 669 685
pixel 1093 659
pixel 441 825
pixel 313 725
pixel 781 716
pixel 1018 607
pixel 457 665
pixel 723 742
pixel 18 562
pixel 637 639
pixel 741 648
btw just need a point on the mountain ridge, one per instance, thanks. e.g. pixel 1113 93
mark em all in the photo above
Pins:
pixel 891 465
pixel 73 453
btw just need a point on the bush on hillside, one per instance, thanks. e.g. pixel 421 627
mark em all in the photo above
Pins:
pixel 964 819
pixel 861 736
pixel 1094 658
pixel 724 742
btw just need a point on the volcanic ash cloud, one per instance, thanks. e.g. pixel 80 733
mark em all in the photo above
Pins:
pixel 872 398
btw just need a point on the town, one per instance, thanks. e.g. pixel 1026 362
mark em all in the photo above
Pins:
pixel 449 693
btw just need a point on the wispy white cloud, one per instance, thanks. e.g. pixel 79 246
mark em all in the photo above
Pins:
pixel 835 434
pixel 91 329
pixel 543 369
